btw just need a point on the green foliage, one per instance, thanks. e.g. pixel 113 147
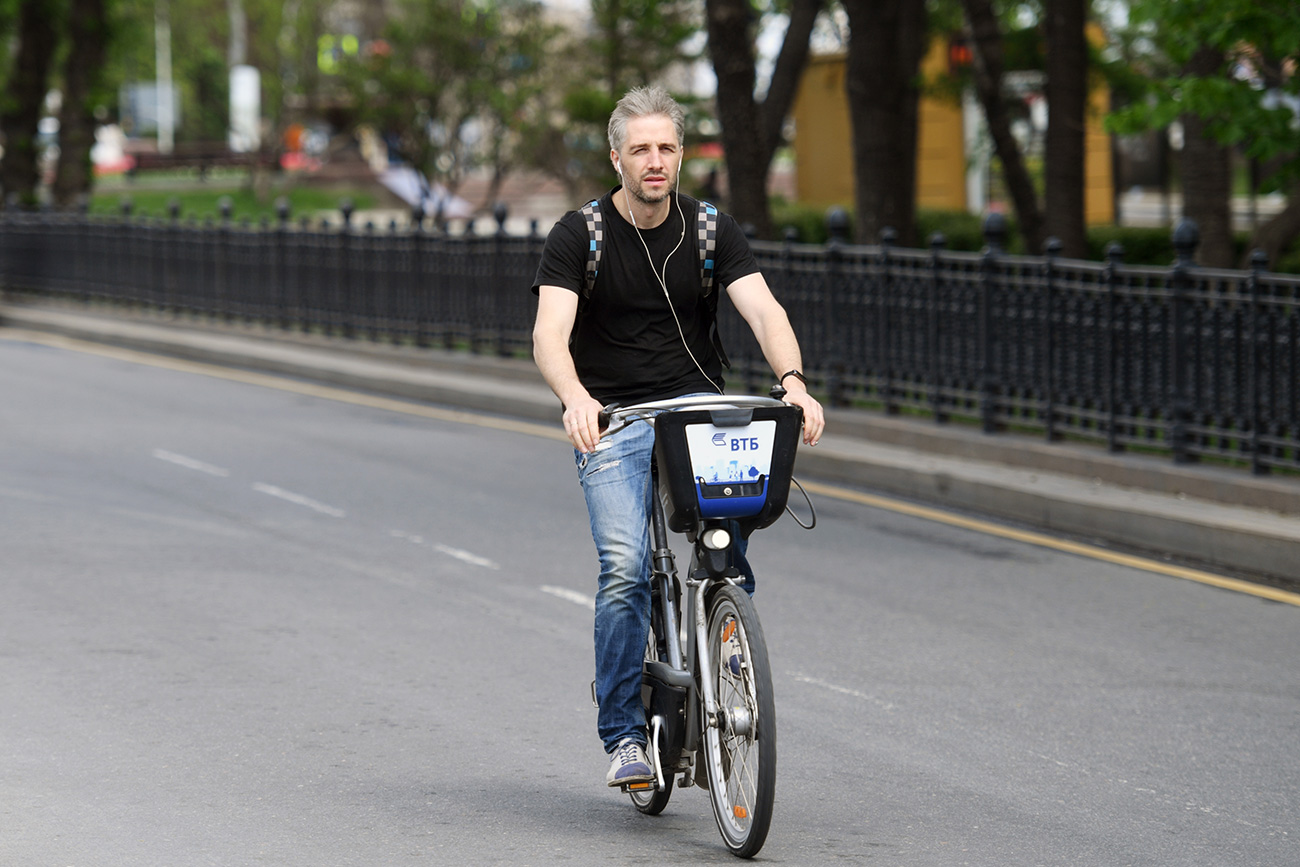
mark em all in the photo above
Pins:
pixel 808 222
pixel 1142 245
pixel 964 232
pixel 1260 42
pixel 636 40
pixel 961 230
pixel 454 84
pixel 8 18
pixel 205 203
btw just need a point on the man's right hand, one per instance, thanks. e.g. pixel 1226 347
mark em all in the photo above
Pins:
pixel 582 423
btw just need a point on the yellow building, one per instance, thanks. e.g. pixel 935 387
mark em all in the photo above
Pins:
pixel 951 164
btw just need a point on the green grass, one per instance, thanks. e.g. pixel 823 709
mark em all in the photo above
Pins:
pixel 154 201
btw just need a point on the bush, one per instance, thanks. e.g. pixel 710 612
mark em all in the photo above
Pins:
pixel 1143 245
pixel 809 222
pixel 962 231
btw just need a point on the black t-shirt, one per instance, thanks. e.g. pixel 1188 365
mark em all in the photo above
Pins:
pixel 625 344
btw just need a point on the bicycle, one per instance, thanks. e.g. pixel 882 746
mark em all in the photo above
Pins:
pixel 722 467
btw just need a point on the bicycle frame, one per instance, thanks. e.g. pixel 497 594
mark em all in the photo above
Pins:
pixel 683 666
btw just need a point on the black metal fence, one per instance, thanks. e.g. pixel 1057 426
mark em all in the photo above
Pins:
pixel 1184 360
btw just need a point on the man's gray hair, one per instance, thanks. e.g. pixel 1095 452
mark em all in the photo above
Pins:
pixel 642 102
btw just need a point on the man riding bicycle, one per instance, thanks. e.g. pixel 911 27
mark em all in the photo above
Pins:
pixel 642 330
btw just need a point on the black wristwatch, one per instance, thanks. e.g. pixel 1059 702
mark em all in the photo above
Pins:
pixel 796 374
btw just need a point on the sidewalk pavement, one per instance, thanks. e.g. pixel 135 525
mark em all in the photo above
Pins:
pixel 1211 516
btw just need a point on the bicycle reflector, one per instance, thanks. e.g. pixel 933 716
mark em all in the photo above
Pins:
pixel 726 464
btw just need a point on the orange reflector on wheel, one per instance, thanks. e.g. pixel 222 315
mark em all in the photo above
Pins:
pixel 741 812
pixel 729 630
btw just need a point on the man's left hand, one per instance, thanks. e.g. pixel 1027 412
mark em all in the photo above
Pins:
pixel 814 418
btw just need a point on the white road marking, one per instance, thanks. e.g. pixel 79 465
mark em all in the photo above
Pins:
pixel 570 596
pixel 844 690
pixel 298 499
pixel 466 556
pixel 550 432
pixel 459 553
pixel 190 463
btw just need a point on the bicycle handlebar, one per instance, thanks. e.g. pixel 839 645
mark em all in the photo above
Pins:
pixel 614 417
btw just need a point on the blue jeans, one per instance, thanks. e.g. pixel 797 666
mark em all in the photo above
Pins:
pixel 616 483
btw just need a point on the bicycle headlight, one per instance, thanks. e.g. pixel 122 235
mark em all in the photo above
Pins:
pixel 716 539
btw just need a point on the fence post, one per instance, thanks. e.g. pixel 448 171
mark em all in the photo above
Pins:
pixel 837 221
pixel 471 286
pixel 1114 258
pixel 1258 264
pixel 1186 238
pixel 283 298
pixel 995 236
pixel 369 304
pixel 345 270
pixel 1051 250
pixel 307 294
pixel 167 290
pixel 884 293
pixel 223 260
pixel 5 246
pixel 934 367
pixel 126 269
pixel 500 303
pixel 418 294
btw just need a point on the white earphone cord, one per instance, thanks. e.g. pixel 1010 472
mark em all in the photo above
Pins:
pixel 663 278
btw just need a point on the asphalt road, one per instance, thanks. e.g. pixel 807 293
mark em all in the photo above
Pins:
pixel 250 625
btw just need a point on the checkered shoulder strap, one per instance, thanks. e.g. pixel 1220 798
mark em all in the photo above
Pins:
pixel 706 223
pixel 596 236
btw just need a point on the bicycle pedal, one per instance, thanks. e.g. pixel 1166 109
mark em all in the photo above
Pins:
pixel 638 787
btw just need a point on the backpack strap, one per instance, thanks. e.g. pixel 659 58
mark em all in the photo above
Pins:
pixel 706 224
pixel 596 236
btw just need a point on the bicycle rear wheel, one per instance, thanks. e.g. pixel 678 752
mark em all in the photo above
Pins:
pixel 740 750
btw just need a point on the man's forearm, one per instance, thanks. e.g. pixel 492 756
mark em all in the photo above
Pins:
pixel 556 365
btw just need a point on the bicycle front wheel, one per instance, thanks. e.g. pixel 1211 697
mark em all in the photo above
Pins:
pixel 740 745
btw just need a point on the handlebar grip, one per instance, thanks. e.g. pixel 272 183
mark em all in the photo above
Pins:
pixel 606 414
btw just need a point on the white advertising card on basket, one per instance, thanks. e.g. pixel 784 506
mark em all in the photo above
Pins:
pixel 721 455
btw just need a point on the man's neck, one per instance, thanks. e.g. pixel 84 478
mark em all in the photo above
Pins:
pixel 643 216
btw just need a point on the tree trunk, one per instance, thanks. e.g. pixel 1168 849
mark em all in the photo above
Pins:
pixel 1207 174
pixel 787 72
pixel 751 132
pixel 1067 100
pixel 986 44
pixel 25 99
pixel 1277 234
pixel 731 24
pixel 88 36
pixel 886 43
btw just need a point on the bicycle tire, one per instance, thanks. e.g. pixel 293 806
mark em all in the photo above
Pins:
pixel 740 751
pixel 652 801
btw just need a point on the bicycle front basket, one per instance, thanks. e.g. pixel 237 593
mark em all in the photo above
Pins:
pixel 726 464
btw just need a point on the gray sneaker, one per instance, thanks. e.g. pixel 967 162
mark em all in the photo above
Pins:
pixel 628 764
